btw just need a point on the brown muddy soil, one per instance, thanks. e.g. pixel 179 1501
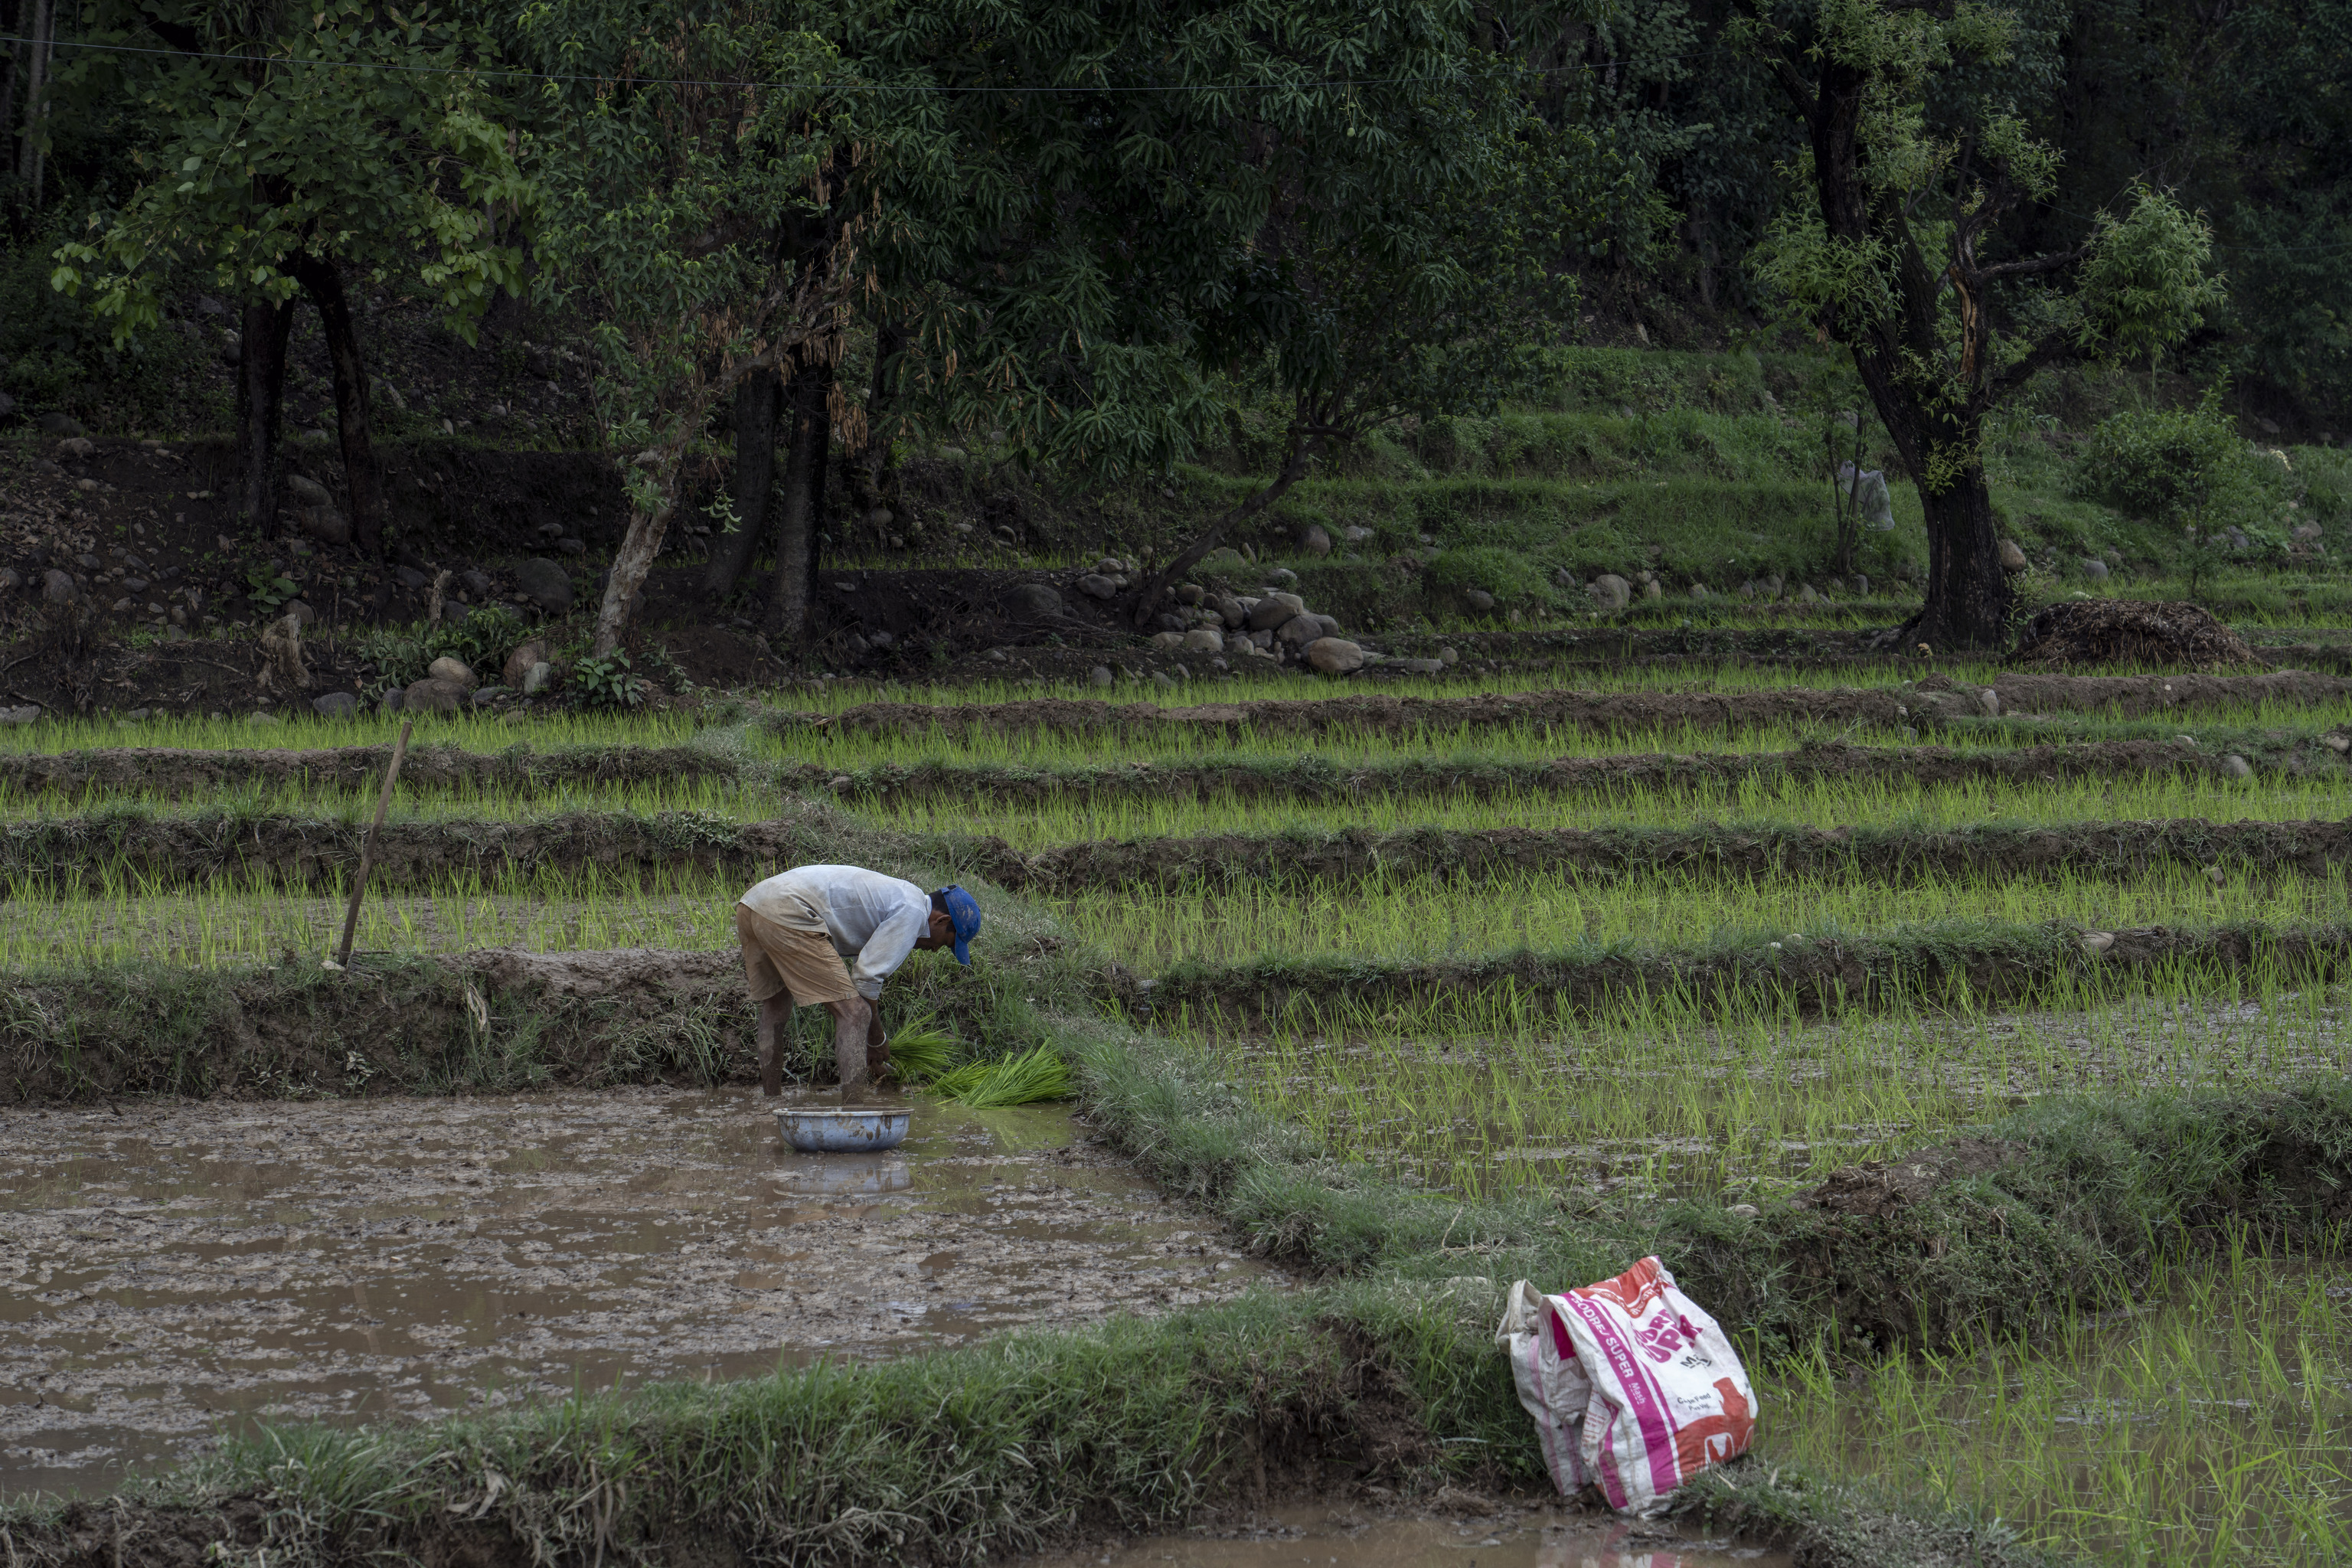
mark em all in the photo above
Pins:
pixel 1932 700
pixel 1893 855
pixel 308 855
pixel 1311 778
pixel 1813 979
pixel 1490 1532
pixel 173 1272
pixel 170 773
pixel 173 772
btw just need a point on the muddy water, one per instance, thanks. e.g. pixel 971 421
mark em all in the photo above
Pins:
pixel 172 1270
pixel 1500 1537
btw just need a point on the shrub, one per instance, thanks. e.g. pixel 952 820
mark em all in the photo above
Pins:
pixel 2179 466
pixel 482 640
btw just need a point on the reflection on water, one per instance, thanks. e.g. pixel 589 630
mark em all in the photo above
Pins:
pixel 168 1268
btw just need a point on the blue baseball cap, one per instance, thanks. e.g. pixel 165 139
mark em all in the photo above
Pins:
pixel 963 915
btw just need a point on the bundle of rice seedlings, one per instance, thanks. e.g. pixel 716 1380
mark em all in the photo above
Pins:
pixel 1030 1078
pixel 921 1051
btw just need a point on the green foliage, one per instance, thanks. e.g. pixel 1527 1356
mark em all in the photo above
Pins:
pixel 2143 284
pixel 2169 464
pixel 607 682
pixel 482 641
pixel 368 139
pixel 1508 574
pixel 268 587
pixel 54 354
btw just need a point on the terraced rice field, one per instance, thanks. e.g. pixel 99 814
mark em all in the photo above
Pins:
pixel 1740 1032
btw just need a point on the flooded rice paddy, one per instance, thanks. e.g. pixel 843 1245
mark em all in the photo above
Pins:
pixel 173 1270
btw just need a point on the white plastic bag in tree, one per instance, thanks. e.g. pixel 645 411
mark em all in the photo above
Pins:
pixel 1869 494
pixel 1633 1386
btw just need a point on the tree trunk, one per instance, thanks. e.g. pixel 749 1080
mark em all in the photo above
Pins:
pixel 36 73
pixel 324 283
pixel 260 393
pixel 634 559
pixel 756 401
pixel 1968 592
pixel 787 618
pixel 871 475
pixel 1294 468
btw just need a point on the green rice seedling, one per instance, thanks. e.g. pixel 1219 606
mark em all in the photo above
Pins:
pixel 1428 917
pixel 1746 804
pixel 2213 1423
pixel 921 1049
pixel 1493 1089
pixel 473 730
pixel 1032 1078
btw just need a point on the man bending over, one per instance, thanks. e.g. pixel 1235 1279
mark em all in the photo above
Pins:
pixel 799 927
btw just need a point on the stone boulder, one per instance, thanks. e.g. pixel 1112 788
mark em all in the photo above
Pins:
pixel 1168 639
pixel 1201 639
pixel 517 665
pixel 431 696
pixel 1298 631
pixel 1315 540
pixel 1335 655
pixel 1274 609
pixel 326 525
pixel 544 584
pixel 454 670
pixel 1094 585
pixel 1032 602
pixel 56 587
pixel 1479 599
pixel 2012 559
pixel 336 705
pixel 535 679
pixel 1610 592
pixel 2094 570
pixel 307 491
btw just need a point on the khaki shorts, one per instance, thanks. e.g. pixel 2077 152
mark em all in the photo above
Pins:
pixel 778 958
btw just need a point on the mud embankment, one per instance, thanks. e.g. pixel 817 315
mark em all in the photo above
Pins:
pixel 1932 699
pixel 1312 779
pixel 296 854
pixel 1896 856
pixel 1986 966
pixel 174 772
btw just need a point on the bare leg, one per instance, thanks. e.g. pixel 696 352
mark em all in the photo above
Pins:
pixel 775 1015
pixel 850 1022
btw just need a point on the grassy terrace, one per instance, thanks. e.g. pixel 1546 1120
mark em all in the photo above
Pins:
pixel 1394 1082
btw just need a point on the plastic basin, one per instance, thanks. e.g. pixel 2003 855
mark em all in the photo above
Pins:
pixel 843 1131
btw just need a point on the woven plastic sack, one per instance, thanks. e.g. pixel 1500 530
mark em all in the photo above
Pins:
pixel 1633 1386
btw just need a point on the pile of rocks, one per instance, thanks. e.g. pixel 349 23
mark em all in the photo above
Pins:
pixel 1274 625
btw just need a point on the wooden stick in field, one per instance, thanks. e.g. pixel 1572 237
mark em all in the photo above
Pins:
pixel 367 849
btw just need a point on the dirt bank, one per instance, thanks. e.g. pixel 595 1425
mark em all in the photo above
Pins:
pixel 1932 700
pixel 172 772
pixel 1989 966
pixel 311 855
pixel 1896 856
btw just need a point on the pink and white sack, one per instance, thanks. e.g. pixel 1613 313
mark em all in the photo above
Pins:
pixel 1633 1386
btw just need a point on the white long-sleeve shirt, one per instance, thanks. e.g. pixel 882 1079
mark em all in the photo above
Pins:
pixel 874 920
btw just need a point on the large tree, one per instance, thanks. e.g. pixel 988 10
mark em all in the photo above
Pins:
pixel 694 161
pixel 299 151
pixel 1892 245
